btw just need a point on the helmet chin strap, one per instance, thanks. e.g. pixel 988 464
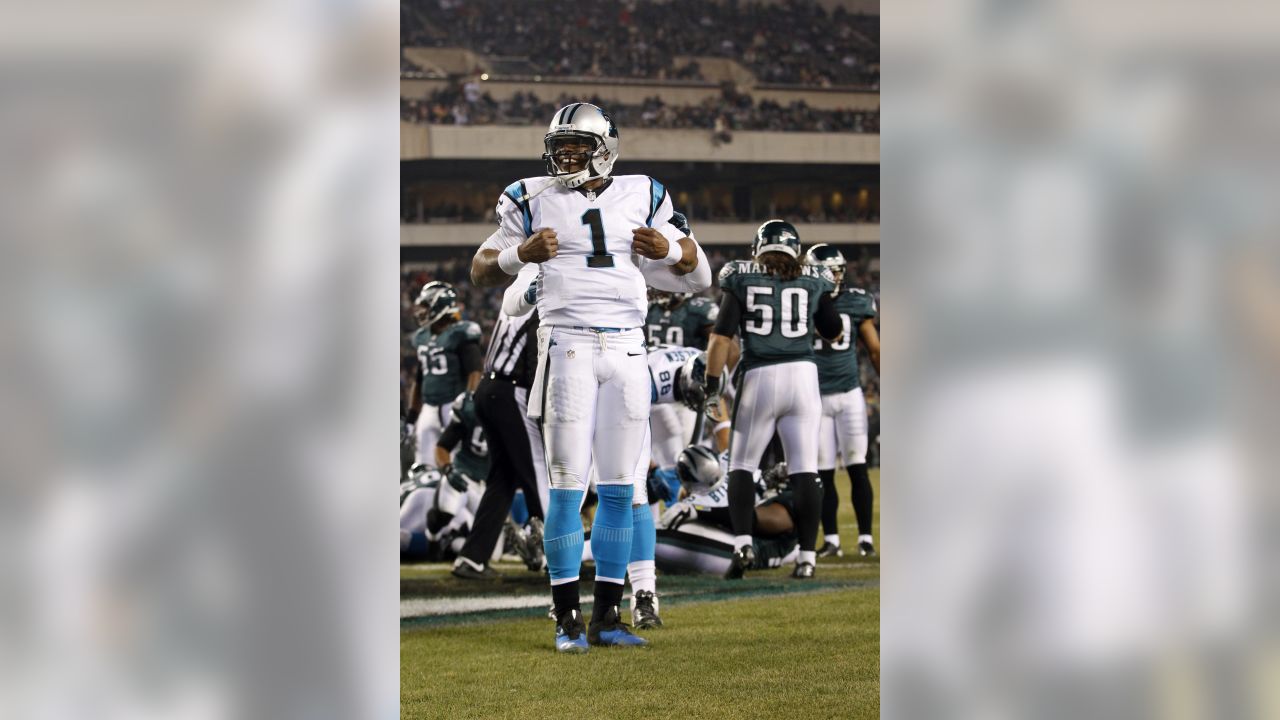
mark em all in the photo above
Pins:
pixel 573 180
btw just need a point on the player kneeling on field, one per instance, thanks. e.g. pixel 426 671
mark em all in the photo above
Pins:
pixel 696 534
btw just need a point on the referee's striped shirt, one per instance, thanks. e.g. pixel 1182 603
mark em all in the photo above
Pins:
pixel 512 340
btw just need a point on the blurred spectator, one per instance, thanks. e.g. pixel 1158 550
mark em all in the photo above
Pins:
pixel 794 42
pixel 722 115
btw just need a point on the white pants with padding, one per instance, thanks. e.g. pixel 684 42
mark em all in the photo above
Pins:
pixel 782 397
pixel 843 430
pixel 595 403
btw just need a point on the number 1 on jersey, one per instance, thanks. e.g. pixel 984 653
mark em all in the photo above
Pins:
pixel 599 257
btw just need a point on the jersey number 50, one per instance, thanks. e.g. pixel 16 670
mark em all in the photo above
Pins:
pixel 795 312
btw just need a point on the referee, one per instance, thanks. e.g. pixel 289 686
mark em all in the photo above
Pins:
pixel 516 458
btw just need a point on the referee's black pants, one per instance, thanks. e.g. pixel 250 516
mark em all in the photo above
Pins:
pixel 511 466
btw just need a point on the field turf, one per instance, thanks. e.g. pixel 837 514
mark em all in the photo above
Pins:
pixel 764 647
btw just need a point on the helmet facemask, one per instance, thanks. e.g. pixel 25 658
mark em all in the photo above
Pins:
pixel 587 125
pixel 824 255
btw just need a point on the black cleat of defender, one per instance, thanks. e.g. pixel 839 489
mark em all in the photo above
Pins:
pixel 465 570
pixel 866 549
pixel 644 611
pixel 803 571
pixel 743 558
pixel 830 549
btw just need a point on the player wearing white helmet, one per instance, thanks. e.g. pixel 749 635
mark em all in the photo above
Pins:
pixel 599 241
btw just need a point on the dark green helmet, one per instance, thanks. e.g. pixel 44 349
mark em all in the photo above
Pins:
pixel 827 256
pixel 422 305
pixel 441 303
pixel 777 236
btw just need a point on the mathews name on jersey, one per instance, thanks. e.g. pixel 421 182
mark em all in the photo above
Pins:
pixel 595 280
pixel 777 319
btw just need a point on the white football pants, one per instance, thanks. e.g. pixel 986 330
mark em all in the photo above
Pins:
pixel 843 429
pixel 595 404
pixel 430 426
pixel 782 397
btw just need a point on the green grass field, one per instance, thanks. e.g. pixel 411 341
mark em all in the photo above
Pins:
pixel 764 647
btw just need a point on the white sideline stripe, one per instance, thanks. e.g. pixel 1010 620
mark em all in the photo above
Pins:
pixel 422 607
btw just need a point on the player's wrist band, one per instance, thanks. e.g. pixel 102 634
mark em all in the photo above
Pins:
pixel 509 260
pixel 675 253
pixel 721 426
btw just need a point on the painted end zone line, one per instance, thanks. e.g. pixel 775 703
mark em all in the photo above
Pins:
pixel 423 607
pixel 469 609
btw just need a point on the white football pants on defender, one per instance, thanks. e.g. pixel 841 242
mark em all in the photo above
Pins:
pixel 844 429
pixel 783 397
pixel 432 421
pixel 596 404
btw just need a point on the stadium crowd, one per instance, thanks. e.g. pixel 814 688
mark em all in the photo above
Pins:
pixel 795 42
pixel 466 104
pixel 425 204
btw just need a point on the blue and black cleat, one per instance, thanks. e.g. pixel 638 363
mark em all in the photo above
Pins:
pixel 612 632
pixel 571 636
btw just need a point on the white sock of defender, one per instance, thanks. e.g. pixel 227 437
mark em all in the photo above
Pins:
pixel 808 556
pixel 833 539
pixel 741 541
pixel 865 538
pixel 643 575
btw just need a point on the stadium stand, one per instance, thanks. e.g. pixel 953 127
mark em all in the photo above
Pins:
pixel 464 104
pixel 798 42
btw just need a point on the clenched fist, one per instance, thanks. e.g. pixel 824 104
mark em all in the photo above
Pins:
pixel 650 243
pixel 540 247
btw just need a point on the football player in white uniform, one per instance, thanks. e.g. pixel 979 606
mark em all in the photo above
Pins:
pixel 677 375
pixel 600 240
pixel 695 534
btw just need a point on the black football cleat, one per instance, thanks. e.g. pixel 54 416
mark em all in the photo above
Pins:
pixel 830 549
pixel 644 611
pixel 743 558
pixel 466 570
pixel 866 549
pixel 803 571
pixel 612 632
pixel 571 636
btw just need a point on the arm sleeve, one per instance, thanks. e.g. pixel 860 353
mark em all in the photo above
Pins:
pixel 470 357
pixel 658 274
pixel 827 320
pixel 451 436
pixel 513 299
pixel 730 315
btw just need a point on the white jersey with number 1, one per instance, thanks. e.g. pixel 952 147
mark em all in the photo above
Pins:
pixel 595 280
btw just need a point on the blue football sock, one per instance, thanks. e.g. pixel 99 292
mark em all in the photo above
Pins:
pixel 562 538
pixel 644 536
pixel 611 532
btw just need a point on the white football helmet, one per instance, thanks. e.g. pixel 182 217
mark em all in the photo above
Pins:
pixel 585 122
